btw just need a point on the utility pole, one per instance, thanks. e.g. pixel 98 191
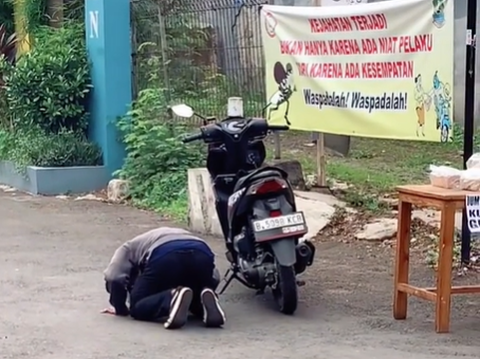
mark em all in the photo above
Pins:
pixel 469 112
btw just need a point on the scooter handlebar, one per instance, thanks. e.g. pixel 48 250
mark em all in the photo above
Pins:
pixel 191 138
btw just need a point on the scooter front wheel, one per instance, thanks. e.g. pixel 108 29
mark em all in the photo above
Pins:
pixel 286 291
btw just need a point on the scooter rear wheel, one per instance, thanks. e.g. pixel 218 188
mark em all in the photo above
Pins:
pixel 286 293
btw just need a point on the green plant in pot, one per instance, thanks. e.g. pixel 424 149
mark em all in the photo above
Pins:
pixel 64 149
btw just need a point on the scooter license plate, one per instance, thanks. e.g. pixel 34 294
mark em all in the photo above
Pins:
pixel 288 225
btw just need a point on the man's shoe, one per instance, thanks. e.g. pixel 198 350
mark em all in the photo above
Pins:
pixel 179 308
pixel 213 315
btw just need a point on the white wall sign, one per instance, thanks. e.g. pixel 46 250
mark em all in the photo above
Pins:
pixel 93 16
pixel 472 205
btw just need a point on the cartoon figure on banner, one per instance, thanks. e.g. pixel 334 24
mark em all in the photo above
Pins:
pixel 423 101
pixel 441 97
pixel 444 106
pixel 441 93
pixel 439 12
pixel 286 87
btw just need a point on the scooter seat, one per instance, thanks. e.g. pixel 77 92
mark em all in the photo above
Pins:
pixel 259 174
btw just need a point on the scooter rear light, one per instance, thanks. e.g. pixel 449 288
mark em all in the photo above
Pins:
pixel 269 187
pixel 275 213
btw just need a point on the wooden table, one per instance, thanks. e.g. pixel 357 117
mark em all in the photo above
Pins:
pixel 448 202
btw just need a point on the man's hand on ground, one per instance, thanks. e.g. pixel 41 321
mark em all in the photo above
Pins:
pixel 112 311
pixel 109 310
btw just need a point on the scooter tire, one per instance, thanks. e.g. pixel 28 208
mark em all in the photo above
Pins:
pixel 286 291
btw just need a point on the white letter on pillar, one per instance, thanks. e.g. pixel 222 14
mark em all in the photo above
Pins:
pixel 94 24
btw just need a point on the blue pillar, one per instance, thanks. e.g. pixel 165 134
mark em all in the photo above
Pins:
pixel 107 25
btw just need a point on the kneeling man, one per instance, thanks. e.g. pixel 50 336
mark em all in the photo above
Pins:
pixel 167 272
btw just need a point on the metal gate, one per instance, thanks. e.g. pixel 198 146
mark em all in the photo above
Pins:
pixel 205 51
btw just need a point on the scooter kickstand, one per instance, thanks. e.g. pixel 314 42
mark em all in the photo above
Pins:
pixel 230 274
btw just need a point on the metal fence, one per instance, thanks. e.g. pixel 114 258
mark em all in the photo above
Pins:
pixel 200 52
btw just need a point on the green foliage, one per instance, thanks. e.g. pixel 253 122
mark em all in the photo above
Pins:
pixel 35 14
pixel 49 85
pixel 457 137
pixel 6 15
pixel 8 43
pixel 175 63
pixel 157 161
pixel 37 148
pixel 7 142
pixel 74 10
pixel 43 102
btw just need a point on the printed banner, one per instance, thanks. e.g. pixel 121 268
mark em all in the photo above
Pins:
pixel 380 70
pixel 342 2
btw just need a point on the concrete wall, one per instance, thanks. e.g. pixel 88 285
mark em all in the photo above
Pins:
pixel 54 180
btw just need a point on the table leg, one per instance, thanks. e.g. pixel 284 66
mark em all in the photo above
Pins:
pixel 444 271
pixel 402 258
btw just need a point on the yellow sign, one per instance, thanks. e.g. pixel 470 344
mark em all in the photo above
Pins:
pixel 380 70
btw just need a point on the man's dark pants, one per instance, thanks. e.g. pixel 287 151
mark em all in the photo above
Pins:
pixel 189 266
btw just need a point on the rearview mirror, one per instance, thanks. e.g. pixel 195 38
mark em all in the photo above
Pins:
pixel 182 111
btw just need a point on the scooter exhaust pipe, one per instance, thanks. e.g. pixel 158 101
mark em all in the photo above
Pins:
pixel 304 256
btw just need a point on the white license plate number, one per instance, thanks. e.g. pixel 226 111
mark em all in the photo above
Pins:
pixel 289 220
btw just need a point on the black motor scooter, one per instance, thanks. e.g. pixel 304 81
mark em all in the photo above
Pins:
pixel 256 208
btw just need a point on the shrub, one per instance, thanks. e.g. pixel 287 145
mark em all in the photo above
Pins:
pixel 157 161
pixel 44 98
pixel 49 85
pixel 37 148
pixel 6 15
pixel 7 142
pixel 34 12
pixel 8 43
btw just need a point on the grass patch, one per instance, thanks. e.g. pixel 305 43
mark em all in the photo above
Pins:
pixel 380 165
pixel 177 209
pixel 374 167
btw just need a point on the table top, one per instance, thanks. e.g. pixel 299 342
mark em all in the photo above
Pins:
pixel 429 191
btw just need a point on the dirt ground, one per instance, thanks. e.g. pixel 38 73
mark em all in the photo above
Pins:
pixel 54 251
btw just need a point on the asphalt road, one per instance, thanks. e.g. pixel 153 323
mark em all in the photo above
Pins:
pixel 53 252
